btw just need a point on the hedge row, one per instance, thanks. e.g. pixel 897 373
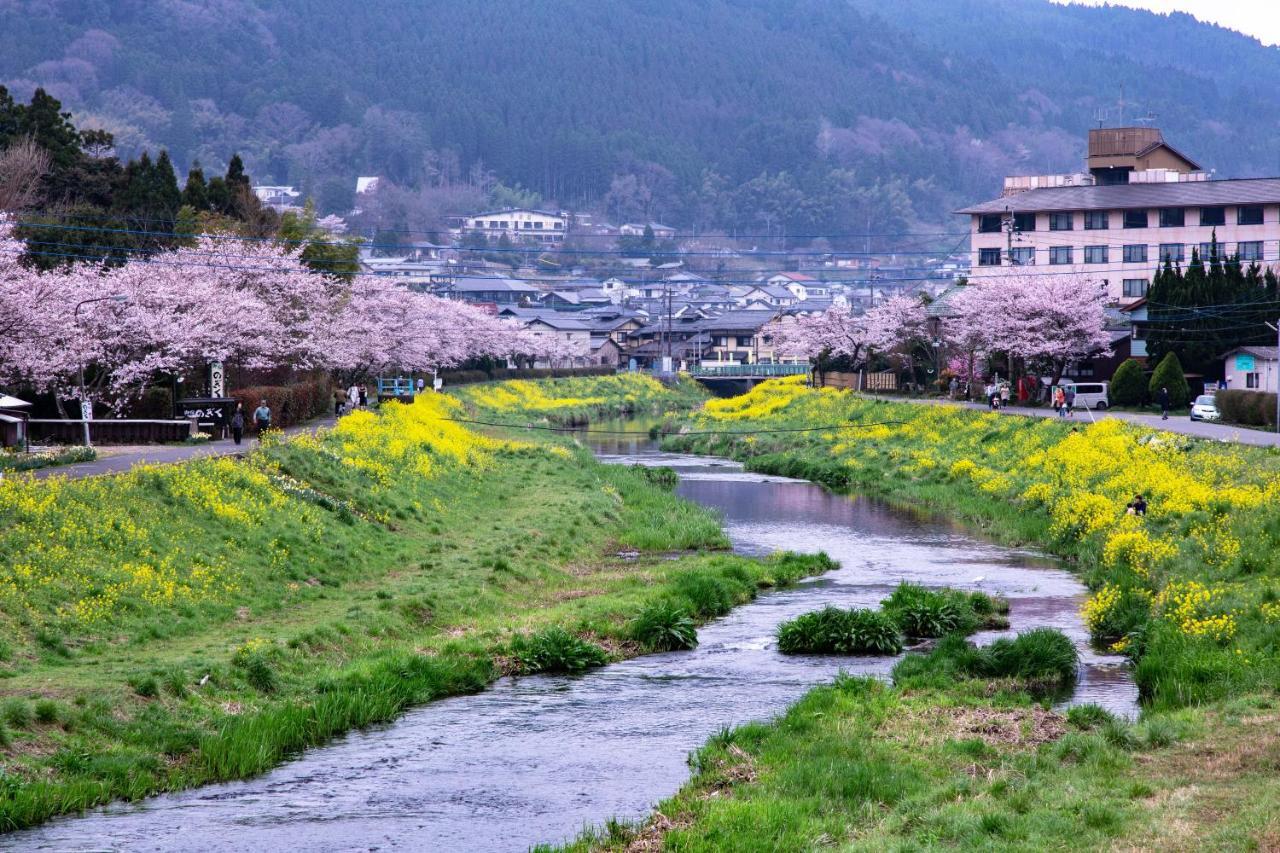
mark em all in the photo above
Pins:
pixel 290 404
pixel 1251 408
pixel 470 377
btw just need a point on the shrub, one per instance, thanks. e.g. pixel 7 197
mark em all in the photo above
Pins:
pixel 556 650
pixel 145 686
pixel 1251 408
pixel 1128 384
pixel 922 612
pixel 290 404
pixel 1038 653
pixel 663 477
pixel 664 626
pixel 46 711
pixel 17 713
pixel 1087 716
pixel 835 631
pixel 1168 374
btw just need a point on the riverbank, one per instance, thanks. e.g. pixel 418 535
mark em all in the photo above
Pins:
pixel 953 760
pixel 184 624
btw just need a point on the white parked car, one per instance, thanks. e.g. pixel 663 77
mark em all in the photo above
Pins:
pixel 1205 409
pixel 1089 395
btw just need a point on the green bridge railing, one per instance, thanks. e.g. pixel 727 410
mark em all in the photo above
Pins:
pixel 751 370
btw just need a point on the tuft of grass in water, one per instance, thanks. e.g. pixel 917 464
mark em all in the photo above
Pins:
pixel 664 626
pixel 835 631
pixel 556 650
pixel 1088 716
pixel 930 613
pixel 1042 656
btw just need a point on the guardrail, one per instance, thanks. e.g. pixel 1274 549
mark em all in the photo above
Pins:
pixel 750 370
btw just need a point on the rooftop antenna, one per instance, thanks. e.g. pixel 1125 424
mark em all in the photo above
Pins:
pixel 1120 122
pixel 1100 116
pixel 1149 118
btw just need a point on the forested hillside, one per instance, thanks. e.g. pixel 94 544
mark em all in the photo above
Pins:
pixel 759 116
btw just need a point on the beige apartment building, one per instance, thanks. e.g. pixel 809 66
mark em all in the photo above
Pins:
pixel 538 226
pixel 1140 201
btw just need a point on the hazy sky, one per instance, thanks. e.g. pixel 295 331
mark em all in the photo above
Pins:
pixel 1258 18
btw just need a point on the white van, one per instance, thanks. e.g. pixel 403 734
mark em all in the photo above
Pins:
pixel 1090 395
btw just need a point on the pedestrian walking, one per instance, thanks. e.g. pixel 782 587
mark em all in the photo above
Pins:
pixel 262 418
pixel 1070 400
pixel 337 404
pixel 353 396
pixel 953 387
pixel 1004 395
pixel 1163 397
pixel 364 396
pixel 237 423
pixel 422 384
pixel 1059 402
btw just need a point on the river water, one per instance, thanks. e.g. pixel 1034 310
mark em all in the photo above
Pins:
pixel 536 759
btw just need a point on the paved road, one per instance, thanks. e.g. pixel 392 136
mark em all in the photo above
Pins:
pixel 113 462
pixel 1175 423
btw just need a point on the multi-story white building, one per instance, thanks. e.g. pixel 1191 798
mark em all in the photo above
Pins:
pixel 539 226
pixel 1140 202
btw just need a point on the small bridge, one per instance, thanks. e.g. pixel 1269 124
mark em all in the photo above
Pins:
pixel 729 380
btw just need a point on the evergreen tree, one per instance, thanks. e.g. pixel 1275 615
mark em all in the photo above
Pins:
pixel 165 193
pixel 220 198
pixel 196 193
pixel 1128 385
pixel 236 176
pixel 1168 374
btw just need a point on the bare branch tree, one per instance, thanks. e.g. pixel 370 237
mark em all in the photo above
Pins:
pixel 22 166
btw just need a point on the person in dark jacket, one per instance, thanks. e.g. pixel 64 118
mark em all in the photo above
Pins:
pixel 1163 397
pixel 237 423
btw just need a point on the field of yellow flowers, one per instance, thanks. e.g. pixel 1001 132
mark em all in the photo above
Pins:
pixel 1190 591
pixel 580 399
pixel 182 624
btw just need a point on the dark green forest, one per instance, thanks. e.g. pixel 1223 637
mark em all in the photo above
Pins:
pixel 787 117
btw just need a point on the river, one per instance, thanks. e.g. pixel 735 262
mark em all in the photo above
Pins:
pixel 536 759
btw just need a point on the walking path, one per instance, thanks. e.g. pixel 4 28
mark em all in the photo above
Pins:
pixel 1176 423
pixel 119 459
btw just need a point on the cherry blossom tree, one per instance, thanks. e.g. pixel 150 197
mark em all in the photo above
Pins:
pixel 896 327
pixel 1048 321
pixel 838 331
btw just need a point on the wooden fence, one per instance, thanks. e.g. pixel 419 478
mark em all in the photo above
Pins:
pixel 110 431
pixel 861 381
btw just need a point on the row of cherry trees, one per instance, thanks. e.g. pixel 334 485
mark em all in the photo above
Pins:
pixel 250 303
pixel 1043 322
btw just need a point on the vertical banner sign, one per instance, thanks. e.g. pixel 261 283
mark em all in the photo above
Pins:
pixel 86 410
pixel 217 380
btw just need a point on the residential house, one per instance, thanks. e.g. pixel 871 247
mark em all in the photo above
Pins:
pixel 574 332
pixel 495 289
pixel 604 352
pixel 520 224
pixel 801 286
pixel 1251 368
pixel 775 295
pixel 281 199
pixel 743 337
pixel 636 229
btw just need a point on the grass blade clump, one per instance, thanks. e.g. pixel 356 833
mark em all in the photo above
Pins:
pixel 926 613
pixel 842 632
pixel 664 626
pixel 1042 657
pixel 556 650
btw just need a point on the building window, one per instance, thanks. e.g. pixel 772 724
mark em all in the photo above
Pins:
pixel 1251 380
pixel 1061 221
pixel 1095 254
pixel 1213 216
pixel 1250 250
pixel 1060 255
pixel 1135 219
pixel 1172 217
pixel 1175 252
pixel 1023 256
pixel 537 225
pixel 1024 222
pixel 988 257
pixel 990 223
pixel 1135 254
pixel 1211 251
pixel 1097 220
pixel 1249 214
pixel 558 225
pixel 1135 287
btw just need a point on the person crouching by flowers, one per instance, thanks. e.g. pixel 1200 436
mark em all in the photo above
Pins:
pixel 1137 506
